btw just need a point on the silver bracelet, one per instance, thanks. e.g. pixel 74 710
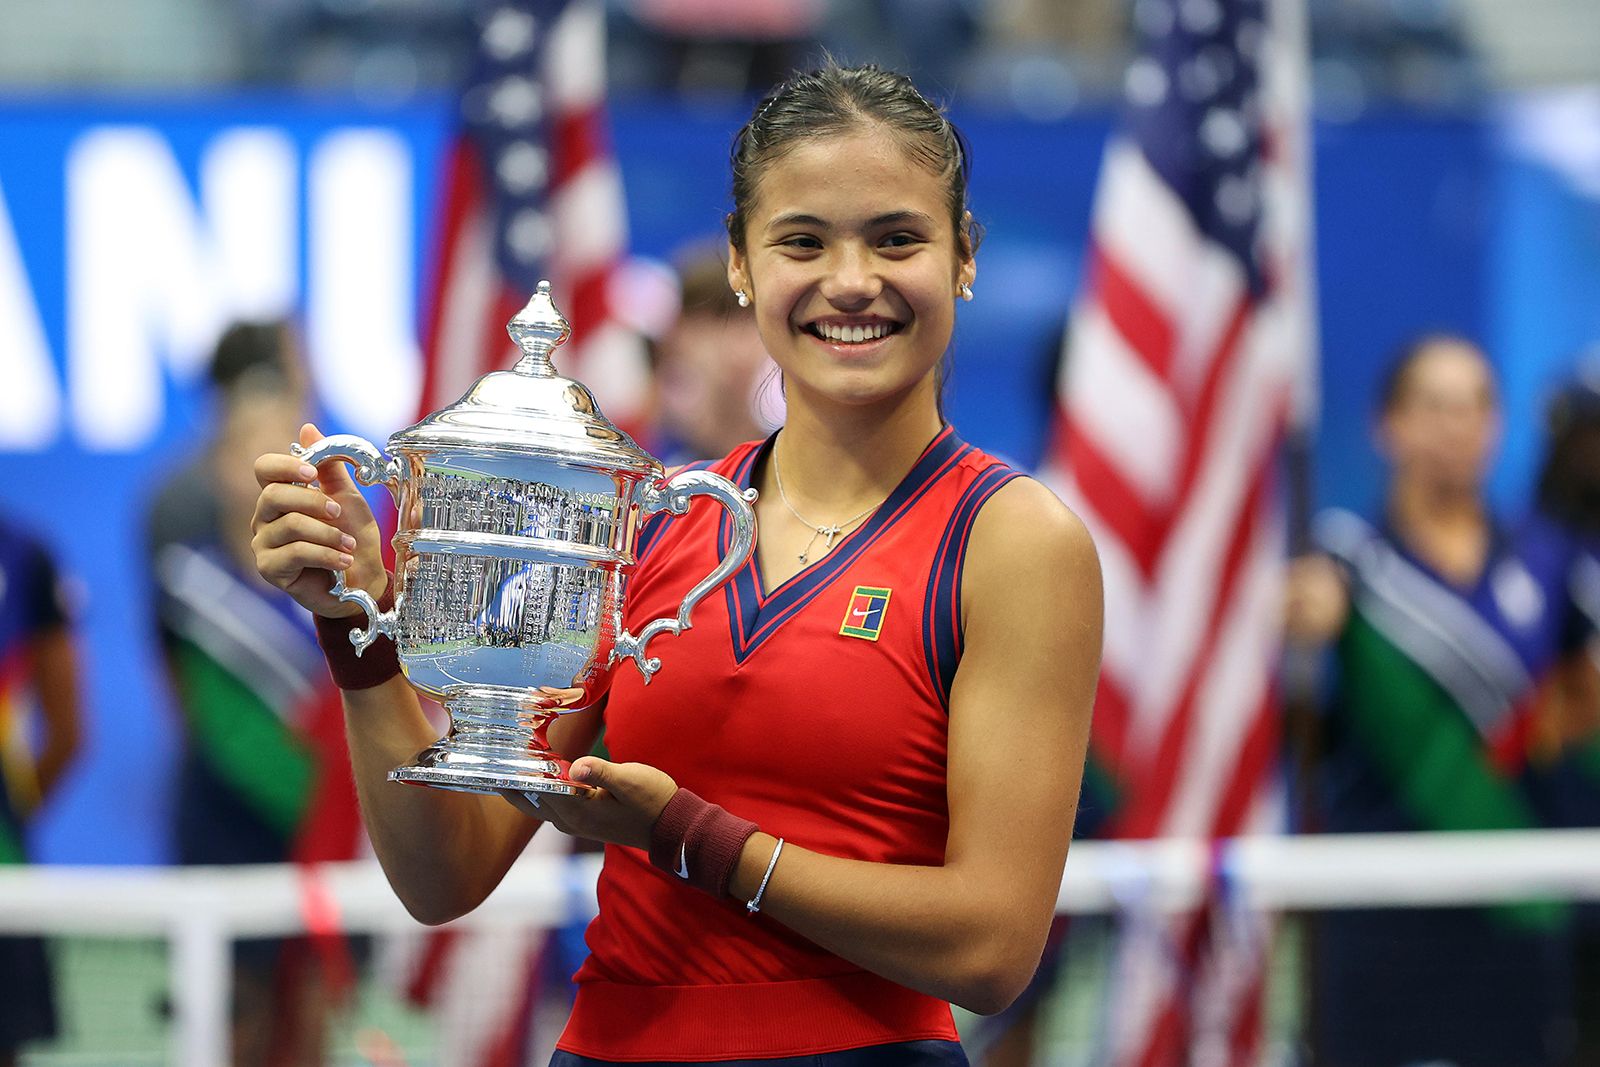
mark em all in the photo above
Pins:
pixel 753 905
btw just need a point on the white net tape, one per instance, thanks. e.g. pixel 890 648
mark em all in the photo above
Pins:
pixel 200 912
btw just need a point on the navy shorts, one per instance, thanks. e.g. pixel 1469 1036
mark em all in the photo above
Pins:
pixel 898 1054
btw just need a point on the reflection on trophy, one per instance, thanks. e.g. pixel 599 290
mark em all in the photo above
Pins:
pixel 519 509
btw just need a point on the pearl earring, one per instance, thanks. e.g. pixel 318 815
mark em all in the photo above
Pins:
pixel 742 297
pixel 965 291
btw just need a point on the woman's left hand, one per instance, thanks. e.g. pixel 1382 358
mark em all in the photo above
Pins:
pixel 625 801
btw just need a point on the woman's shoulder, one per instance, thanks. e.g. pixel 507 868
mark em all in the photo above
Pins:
pixel 1024 529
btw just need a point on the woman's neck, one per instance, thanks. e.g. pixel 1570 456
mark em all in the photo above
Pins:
pixel 1446 526
pixel 841 460
pixel 1419 505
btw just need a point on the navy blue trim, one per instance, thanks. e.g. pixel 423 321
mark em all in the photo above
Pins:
pixel 756 617
pixel 941 603
pixel 743 588
pixel 651 530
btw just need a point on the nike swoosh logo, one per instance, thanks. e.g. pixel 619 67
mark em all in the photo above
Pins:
pixel 683 863
pixel 862 614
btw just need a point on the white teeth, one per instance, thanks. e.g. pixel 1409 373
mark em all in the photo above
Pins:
pixel 852 335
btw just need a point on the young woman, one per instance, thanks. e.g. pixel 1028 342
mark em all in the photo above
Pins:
pixel 895 692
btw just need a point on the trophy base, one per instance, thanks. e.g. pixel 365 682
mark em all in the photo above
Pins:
pixel 496 742
pixel 487 776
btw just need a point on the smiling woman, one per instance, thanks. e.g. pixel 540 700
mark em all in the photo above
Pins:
pixel 807 855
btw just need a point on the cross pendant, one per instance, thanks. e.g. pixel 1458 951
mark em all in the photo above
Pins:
pixel 829 532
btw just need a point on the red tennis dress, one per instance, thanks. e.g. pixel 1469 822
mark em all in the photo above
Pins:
pixel 816 709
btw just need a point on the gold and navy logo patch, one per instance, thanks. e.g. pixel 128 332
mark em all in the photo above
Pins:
pixel 864 617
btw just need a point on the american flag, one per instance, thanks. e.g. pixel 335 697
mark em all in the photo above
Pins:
pixel 1186 350
pixel 482 989
pixel 532 191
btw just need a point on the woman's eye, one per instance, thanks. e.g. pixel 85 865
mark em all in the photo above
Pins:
pixel 803 242
pixel 901 240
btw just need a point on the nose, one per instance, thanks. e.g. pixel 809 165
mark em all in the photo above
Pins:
pixel 851 282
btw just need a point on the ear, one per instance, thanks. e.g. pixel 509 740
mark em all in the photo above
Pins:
pixel 738 274
pixel 967 273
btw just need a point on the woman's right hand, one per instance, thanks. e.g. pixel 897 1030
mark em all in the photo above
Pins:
pixel 303 532
pixel 1316 600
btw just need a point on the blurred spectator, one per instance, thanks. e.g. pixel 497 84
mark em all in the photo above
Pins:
pixel 253 361
pixel 245 669
pixel 716 386
pixel 1569 493
pixel 1449 626
pixel 37 671
pixel 1569 481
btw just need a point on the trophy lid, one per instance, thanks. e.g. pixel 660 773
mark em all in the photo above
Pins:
pixel 531 409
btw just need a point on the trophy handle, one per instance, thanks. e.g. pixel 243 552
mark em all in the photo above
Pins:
pixel 673 495
pixel 370 467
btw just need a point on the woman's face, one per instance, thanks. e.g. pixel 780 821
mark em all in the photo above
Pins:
pixel 1443 425
pixel 852 266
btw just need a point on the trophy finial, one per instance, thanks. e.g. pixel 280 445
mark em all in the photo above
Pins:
pixel 538 329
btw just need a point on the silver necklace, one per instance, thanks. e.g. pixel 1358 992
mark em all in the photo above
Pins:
pixel 817 529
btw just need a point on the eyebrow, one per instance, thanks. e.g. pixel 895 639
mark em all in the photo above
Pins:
pixel 889 219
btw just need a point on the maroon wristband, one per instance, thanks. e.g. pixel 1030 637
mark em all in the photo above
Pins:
pixel 376 665
pixel 698 842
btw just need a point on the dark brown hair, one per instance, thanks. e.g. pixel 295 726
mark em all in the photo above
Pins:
pixel 255 352
pixel 833 100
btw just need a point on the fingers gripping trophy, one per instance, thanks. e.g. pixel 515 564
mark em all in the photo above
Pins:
pixel 520 508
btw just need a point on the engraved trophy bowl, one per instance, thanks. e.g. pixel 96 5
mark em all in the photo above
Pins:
pixel 519 509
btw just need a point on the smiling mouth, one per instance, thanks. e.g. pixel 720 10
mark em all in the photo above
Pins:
pixel 851 335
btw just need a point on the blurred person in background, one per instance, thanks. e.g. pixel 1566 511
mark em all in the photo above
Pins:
pixel 245 671
pixel 38 694
pixel 1449 626
pixel 253 364
pixel 716 387
pixel 1569 478
pixel 1569 493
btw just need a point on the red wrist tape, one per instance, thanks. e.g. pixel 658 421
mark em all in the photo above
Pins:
pixel 380 661
pixel 698 842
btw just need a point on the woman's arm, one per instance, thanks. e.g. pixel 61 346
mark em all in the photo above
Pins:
pixel 1316 600
pixel 443 852
pixel 972 930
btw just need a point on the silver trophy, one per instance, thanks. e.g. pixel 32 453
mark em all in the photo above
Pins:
pixel 519 509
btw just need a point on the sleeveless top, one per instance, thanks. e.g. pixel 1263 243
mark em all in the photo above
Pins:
pixel 818 710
